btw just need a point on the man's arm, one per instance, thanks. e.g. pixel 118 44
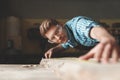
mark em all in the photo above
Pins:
pixel 101 34
pixel 57 48
pixel 107 48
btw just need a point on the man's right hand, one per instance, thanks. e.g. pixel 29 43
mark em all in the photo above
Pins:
pixel 49 53
pixel 57 48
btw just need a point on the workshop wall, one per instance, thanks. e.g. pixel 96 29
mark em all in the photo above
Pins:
pixel 34 11
pixel 61 8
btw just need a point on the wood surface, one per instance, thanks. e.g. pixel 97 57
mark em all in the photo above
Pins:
pixel 61 69
pixel 26 72
pixel 75 69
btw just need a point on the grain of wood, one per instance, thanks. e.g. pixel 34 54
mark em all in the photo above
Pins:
pixel 75 69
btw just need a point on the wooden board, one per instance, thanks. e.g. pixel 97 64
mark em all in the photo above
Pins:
pixel 26 72
pixel 75 69
pixel 60 69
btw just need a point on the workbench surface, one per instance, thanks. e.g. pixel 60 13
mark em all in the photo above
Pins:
pixel 26 72
pixel 60 69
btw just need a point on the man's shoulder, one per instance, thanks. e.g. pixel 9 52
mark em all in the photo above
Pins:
pixel 74 19
pixel 79 17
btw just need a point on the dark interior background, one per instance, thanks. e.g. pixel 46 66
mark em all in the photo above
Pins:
pixel 60 8
pixel 31 12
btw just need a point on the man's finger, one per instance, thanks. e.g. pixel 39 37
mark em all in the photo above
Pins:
pixel 45 55
pixel 115 55
pixel 98 52
pixel 86 56
pixel 106 53
pixel 49 55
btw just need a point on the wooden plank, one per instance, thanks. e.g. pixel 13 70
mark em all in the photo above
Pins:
pixel 26 72
pixel 75 69
pixel 60 69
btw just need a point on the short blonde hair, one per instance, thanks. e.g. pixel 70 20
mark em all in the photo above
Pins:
pixel 46 25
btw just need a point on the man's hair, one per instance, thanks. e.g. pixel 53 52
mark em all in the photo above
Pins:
pixel 46 25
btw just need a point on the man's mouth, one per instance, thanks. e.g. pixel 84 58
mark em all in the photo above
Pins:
pixel 63 40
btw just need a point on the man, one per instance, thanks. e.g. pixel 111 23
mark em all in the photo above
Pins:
pixel 81 30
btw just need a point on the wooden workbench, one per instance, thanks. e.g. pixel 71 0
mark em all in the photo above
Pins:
pixel 60 69
pixel 25 72
pixel 75 69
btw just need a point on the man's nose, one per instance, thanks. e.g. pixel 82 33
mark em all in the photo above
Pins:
pixel 57 37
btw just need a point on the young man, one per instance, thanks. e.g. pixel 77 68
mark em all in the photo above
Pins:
pixel 81 30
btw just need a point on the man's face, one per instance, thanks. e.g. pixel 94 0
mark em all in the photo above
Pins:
pixel 56 34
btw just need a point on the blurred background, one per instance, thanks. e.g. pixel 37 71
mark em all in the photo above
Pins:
pixel 20 41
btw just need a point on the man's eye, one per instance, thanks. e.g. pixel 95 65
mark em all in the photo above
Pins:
pixel 56 32
pixel 53 38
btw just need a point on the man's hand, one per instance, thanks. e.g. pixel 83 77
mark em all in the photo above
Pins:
pixel 49 53
pixel 57 48
pixel 104 52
